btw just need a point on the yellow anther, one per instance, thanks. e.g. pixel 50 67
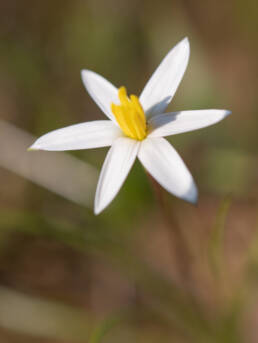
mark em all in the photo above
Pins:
pixel 130 115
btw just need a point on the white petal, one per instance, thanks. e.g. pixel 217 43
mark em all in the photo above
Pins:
pixel 116 167
pixel 101 91
pixel 163 162
pixel 93 134
pixel 163 84
pixel 177 122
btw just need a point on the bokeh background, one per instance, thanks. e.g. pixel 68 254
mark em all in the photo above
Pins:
pixel 138 272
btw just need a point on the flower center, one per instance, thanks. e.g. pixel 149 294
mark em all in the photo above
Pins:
pixel 130 115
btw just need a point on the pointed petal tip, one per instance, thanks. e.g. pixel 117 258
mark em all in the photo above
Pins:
pixel 194 200
pixel 97 208
pixel 33 147
pixel 184 44
pixel 186 40
pixel 84 73
pixel 96 211
pixel 192 195
pixel 225 113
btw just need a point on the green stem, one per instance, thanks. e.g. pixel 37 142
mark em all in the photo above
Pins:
pixel 179 246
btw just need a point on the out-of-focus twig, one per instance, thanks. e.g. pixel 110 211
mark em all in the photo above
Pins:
pixel 39 317
pixel 179 245
pixel 216 244
pixel 59 172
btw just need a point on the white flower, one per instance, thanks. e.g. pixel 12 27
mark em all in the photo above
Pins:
pixel 136 128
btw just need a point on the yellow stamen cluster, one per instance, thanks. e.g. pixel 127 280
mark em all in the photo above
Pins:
pixel 130 115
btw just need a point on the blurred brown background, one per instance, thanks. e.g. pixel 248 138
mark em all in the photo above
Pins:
pixel 128 274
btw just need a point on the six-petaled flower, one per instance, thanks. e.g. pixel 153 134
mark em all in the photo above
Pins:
pixel 136 128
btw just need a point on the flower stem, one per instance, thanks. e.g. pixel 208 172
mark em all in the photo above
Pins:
pixel 179 247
